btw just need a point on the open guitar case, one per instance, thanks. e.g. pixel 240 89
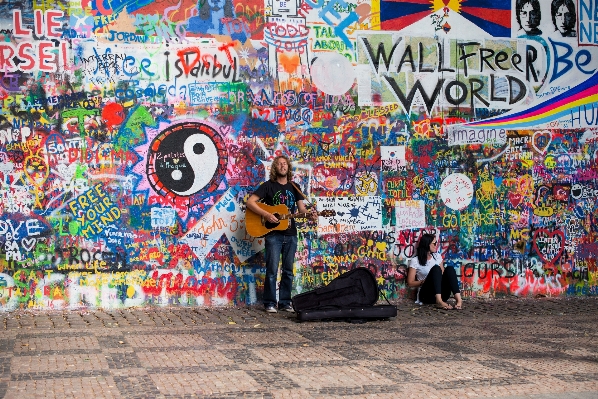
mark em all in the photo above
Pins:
pixel 350 296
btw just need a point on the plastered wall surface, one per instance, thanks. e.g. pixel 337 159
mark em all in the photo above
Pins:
pixel 133 132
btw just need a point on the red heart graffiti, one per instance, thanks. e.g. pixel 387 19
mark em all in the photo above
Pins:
pixel 515 199
pixel 547 250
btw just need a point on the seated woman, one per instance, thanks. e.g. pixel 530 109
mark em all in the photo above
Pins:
pixel 434 281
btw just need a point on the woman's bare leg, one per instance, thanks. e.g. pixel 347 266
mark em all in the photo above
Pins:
pixel 459 304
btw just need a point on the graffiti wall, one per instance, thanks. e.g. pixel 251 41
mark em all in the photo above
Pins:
pixel 133 132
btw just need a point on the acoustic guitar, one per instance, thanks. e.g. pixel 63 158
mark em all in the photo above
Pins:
pixel 258 226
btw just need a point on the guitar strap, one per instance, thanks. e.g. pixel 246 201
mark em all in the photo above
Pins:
pixel 303 195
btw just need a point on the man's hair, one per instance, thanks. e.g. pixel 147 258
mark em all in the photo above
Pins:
pixel 535 6
pixel 569 22
pixel 273 175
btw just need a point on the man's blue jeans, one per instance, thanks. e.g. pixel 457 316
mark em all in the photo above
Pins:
pixel 277 246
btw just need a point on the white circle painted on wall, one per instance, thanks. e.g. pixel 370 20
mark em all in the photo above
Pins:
pixel 456 191
pixel 332 73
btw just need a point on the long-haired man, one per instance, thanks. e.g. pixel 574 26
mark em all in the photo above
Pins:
pixel 280 245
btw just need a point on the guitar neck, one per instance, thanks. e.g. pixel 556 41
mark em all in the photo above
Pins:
pixel 294 215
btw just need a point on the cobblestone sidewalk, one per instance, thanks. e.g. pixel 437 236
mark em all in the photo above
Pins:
pixel 511 348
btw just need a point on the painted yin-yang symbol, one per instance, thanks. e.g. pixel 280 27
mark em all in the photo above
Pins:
pixel 185 159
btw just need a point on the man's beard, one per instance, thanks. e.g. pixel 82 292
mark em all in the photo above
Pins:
pixel 280 174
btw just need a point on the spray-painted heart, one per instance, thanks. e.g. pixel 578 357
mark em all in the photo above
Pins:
pixel 225 129
pixel 549 245
pixel 498 181
pixel 28 243
pixel 541 140
pixel 290 62
pixel 184 58
pixel 515 199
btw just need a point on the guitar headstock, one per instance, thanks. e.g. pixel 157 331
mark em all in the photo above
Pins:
pixel 327 213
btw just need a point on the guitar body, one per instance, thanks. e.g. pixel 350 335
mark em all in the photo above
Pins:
pixel 258 227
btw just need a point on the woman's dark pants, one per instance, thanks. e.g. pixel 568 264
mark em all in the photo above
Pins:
pixel 441 283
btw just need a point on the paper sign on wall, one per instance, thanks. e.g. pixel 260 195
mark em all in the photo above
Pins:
pixel 393 158
pixel 410 214
pixel 355 213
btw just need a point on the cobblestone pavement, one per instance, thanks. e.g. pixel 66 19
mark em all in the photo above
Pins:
pixel 511 348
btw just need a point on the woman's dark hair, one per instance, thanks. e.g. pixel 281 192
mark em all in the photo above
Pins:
pixel 536 13
pixel 423 248
pixel 571 19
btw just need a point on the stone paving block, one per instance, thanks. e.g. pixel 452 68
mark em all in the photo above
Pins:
pixel 113 341
pixel 58 388
pixel 58 363
pixel 349 353
pixel 290 394
pixel 136 386
pixel 319 335
pixel 122 360
pixel 180 359
pixel 265 337
pixel 511 368
pixel 241 355
pixel 393 373
pixel 414 390
pixel 344 377
pixel 564 395
pixel 235 382
pixel 55 343
pixel 7 345
pixel 278 354
pixel 128 371
pixel 445 373
pixel 265 367
pixel 500 346
pixel 545 386
pixel 562 367
pixel 569 381
pixel 521 352
pixel 586 346
pixel 4 367
pixel 357 391
pixel 404 350
pixel 473 384
pixel 576 376
pixel 217 338
pixel 149 341
pixel 453 347
pixel 273 379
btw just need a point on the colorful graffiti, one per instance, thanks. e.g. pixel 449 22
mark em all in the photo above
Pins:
pixel 132 134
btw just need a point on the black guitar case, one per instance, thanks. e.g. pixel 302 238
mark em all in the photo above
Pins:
pixel 350 296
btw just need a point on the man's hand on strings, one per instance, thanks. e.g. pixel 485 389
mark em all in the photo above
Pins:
pixel 313 215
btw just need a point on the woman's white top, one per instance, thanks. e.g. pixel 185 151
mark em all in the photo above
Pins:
pixel 421 272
